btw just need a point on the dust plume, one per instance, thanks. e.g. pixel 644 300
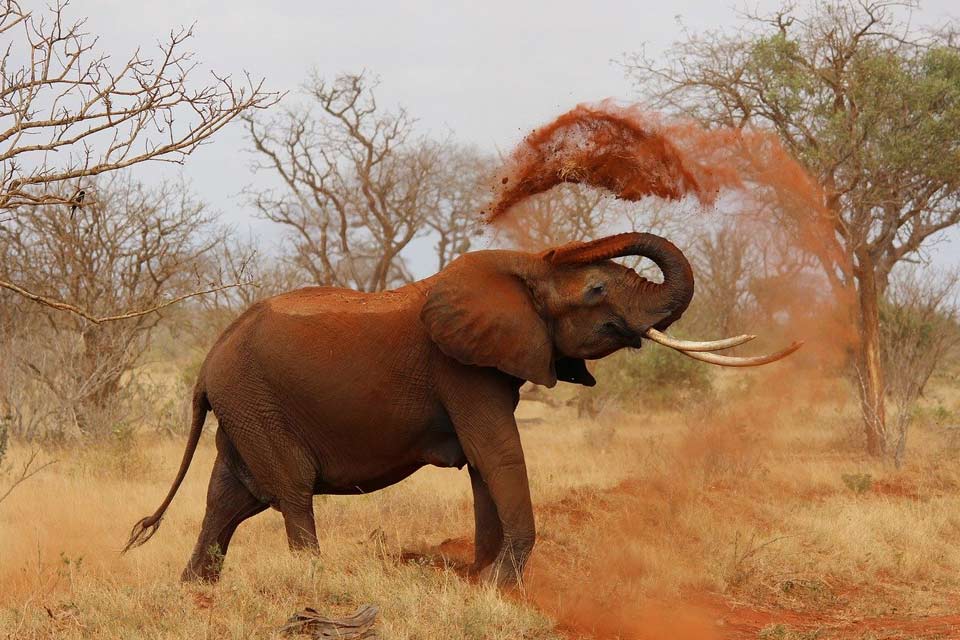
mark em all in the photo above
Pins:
pixel 745 175
pixel 605 146
pixel 797 284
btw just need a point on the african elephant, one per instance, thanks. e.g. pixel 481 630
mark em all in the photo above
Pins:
pixel 331 391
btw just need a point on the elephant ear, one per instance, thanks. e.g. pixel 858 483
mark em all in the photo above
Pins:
pixel 480 314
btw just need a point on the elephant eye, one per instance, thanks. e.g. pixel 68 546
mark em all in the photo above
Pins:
pixel 596 290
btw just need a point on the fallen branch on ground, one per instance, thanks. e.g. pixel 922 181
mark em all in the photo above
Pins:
pixel 354 627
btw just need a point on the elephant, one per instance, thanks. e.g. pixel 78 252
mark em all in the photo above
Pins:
pixel 332 391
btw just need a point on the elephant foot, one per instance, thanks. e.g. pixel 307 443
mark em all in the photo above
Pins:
pixel 483 559
pixel 506 572
pixel 501 577
pixel 205 568
pixel 205 575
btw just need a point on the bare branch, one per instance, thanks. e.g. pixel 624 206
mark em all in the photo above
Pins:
pixel 83 313
pixel 27 471
pixel 60 98
pixel 82 293
pixel 359 186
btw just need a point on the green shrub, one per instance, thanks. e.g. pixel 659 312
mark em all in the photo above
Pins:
pixel 650 378
pixel 654 376
pixel 859 483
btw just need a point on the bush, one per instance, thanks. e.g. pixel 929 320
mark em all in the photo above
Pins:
pixel 918 330
pixel 652 377
pixel 859 483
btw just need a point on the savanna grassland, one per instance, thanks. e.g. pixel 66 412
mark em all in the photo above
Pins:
pixel 752 515
pixel 814 499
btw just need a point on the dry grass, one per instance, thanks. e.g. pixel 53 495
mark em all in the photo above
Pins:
pixel 736 524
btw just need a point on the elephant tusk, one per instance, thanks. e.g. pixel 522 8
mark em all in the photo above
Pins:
pixel 732 361
pixel 690 345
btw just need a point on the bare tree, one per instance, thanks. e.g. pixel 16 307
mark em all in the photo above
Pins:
pixel 869 107
pixel 239 258
pixel 67 115
pixel 724 266
pixel 454 218
pixel 130 247
pixel 59 95
pixel 359 186
pixel 566 213
pixel 918 329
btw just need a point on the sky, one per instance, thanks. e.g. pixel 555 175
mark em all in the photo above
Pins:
pixel 486 72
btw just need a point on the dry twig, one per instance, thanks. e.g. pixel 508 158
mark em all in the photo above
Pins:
pixel 27 471
pixel 61 98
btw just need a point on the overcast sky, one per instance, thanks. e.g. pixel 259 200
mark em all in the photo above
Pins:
pixel 487 72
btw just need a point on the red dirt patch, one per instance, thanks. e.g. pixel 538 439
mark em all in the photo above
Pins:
pixel 899 488
pixel 455 554
pixel 584 610
pixel 588 596
pixel 737 621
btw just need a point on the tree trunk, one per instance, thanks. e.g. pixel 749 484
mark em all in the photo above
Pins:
pixel 869 365
pixel 104 363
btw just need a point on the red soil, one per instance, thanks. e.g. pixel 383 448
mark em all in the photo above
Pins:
pixel 735 621
pixel 695 616
pixel 618 149
pixel 583 609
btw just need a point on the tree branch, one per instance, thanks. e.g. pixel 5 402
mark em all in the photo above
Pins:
pixel 87 315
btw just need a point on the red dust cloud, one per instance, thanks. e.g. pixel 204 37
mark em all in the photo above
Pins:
pixel 605 147
pixel 634 154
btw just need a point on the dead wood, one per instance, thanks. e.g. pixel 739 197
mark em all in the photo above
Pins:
pixel 354 627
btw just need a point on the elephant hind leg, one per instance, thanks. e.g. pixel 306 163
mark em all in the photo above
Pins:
pixel 299 523
pixel 229 503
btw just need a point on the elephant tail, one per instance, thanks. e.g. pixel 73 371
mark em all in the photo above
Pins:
pixel 145 528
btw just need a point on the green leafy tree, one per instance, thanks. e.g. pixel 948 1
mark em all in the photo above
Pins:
pixel 869 106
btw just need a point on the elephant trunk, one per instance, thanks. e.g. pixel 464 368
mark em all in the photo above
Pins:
pixel 670 298
pixel 673 295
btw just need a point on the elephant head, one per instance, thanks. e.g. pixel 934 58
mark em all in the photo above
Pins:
pixel 539 316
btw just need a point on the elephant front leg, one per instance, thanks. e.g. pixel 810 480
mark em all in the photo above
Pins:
pixel 509 488
pixel 488 535
pixel 482 414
